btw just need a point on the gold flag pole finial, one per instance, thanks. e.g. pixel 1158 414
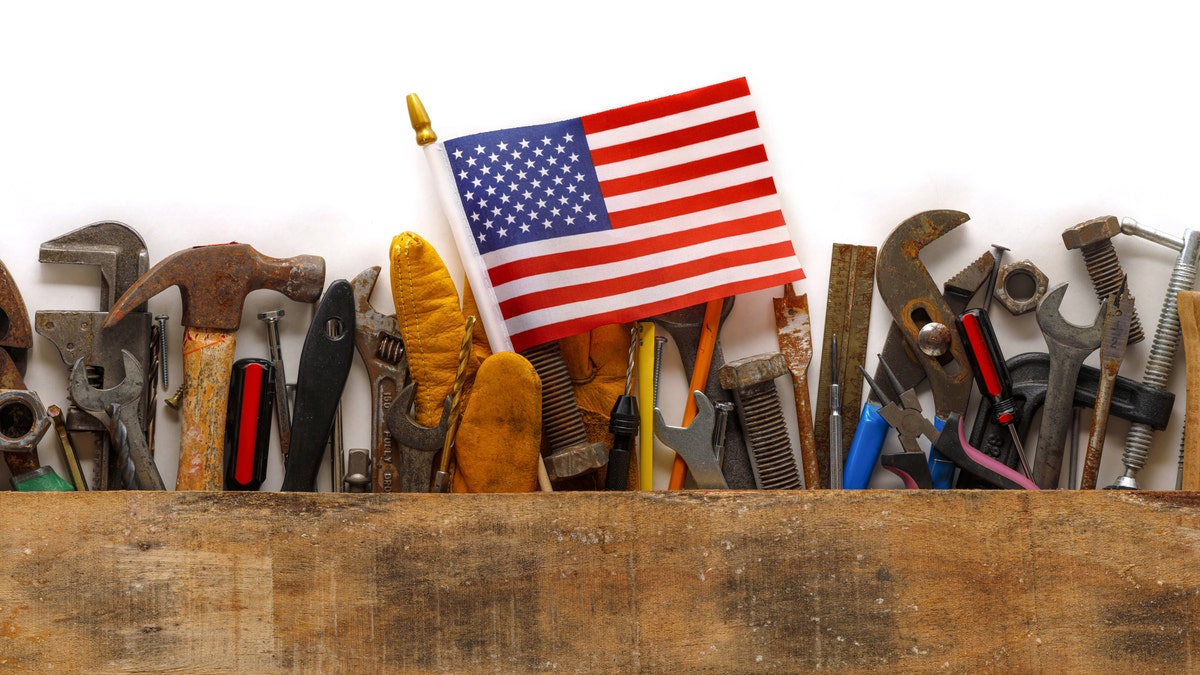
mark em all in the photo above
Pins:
pixel 420 121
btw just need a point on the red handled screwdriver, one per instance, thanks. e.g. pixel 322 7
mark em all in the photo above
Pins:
pixel 991 372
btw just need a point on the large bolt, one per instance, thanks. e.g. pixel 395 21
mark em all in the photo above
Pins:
pixel 1139 438
pixel 1094 241
pixel 571 454
pixel 752 381
pixel 283 415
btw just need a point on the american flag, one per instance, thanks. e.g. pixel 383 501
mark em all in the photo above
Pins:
pixel 618 216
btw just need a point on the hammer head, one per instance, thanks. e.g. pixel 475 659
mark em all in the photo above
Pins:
pixel 214 281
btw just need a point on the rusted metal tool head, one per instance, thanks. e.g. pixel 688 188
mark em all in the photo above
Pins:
pixel 214 281
pixel 917 303
pixel 376 335
pixel 16 336
pixel 114 247
pixel 104 401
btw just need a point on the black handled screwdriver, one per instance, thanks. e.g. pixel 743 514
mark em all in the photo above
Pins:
pixel 991 372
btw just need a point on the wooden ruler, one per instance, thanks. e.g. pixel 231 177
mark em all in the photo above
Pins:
pixel 848 316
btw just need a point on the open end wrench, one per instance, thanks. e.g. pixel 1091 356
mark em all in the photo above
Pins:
pixel 694 443
pixel 417 444
pixel 377 339
pixel 120 405
pixel 916 303
pixel 1069 345
pixel 684 327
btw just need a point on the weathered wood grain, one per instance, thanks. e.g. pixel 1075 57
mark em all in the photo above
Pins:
pixel 960 581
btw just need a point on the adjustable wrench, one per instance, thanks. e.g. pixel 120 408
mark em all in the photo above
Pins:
pixel 1069 346
pixel 917 304
pixel 684 327
pixel 418 444
pixel 694 443
pixel 120 405
pixel 377 339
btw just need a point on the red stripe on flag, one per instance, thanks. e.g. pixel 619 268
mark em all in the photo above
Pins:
pixel 683 172
pixel 667 105
pixel 553 297
pixel 692 204
pixel 554 331
pixel 675 139
pixel 558 262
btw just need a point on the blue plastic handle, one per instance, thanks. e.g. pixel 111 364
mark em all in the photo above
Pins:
pixel 941 469
pixel 864 448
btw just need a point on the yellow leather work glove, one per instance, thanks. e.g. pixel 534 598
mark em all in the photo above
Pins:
pixel 597 362
pixel 499 437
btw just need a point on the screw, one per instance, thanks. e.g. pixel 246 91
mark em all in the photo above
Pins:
pixel 571 454
pixel 659 343
pixel 990 289
pixel 161 320
pixel 752 381
pixel 1094 241
pixel 1166 338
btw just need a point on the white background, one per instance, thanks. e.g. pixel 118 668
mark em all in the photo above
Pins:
pixel 283 125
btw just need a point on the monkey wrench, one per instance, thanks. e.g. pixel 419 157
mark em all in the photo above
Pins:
pixel 918 306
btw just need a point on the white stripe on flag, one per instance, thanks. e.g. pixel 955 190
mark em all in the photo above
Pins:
pixel 690 153
pixel 593 240
pixel 643 296
pixel 689 188
pixel 669 123
pixel 599 273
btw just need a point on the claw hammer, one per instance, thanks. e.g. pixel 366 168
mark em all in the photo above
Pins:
pixel 213 284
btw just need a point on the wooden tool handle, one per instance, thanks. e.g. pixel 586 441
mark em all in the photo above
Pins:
pixel 1189 321
pixel 207 360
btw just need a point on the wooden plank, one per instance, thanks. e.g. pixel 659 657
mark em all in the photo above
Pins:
pixel 593 582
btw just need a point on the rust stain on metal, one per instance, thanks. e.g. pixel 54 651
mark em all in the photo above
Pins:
pixel 795 343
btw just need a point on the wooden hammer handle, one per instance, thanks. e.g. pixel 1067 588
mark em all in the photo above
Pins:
pixel 1189 322
pixel 207 363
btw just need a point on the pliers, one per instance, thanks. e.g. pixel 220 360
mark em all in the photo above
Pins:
pixel 910 423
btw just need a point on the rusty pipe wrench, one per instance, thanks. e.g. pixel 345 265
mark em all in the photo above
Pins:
pixel 917 305
pixel 119 405
pixel 896 361
pixel 684 326
pixel 694 443
pixel 1069 345
pixel 377 339
pixel 418 444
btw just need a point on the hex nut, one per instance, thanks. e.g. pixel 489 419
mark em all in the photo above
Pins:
pixel 1030 274
pixel 752 370
pixel 1094 231
pixel 23 420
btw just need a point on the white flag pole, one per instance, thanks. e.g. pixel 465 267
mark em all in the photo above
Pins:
pixel 443 178
pixel 485 296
